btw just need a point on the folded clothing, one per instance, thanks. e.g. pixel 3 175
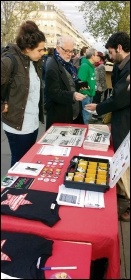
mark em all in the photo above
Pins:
pixel 23 255
pixel 30 204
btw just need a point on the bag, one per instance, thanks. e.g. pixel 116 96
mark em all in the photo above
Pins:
pixel 5 88
pixel 107 118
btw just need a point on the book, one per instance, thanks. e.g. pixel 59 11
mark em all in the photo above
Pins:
pixel 26 168
pixel 8 181
pixel 23 183
pixel 17 182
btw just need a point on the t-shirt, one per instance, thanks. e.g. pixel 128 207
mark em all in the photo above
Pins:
pixel 23 255
pixel 30 204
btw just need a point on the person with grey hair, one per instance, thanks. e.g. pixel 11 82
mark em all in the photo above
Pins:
pixel 60 85
pixel 86 73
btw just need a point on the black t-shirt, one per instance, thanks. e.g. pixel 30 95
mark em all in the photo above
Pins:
pixel 30 204
pixel 23 255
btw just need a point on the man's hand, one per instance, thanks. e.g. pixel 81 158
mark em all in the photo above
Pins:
pixel 91 107
pixel 4 108
pixel 79 96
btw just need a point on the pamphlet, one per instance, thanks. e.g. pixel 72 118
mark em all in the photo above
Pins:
pixel 70 197
pixel 26 168
pixel 94 199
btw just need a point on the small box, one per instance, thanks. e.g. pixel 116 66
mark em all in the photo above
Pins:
pixel 87 183
pixel 107 173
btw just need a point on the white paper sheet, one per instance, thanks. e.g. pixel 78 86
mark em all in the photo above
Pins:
pixel 54 150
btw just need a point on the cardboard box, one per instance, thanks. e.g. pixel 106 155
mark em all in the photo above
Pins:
pixel 108 69
pixel 107 173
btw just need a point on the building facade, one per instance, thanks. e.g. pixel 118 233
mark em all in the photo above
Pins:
pixel 54 23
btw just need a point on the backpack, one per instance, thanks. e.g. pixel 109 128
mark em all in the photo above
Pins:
pixel 5 89
pixel 44 58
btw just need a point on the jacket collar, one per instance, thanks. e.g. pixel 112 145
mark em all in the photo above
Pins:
pixel 124 61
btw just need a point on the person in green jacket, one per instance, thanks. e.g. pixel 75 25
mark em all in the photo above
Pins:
pixel 86 73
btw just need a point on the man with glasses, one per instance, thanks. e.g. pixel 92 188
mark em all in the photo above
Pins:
pixel 60 80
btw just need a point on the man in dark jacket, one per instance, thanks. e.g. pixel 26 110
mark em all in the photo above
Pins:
pixel 118 46
pixel 60 88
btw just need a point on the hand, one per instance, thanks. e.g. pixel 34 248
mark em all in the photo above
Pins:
pixel 84 88
pixel 78 96
pixel 4 108
pixel 91 107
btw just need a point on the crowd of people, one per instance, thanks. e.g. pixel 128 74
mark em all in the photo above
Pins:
pixel 53 79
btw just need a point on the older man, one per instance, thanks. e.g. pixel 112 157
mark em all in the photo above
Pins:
pixel 118 46
pixel 60 84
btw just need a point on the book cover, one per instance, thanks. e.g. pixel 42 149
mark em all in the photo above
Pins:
pixel 26 168
pixel 8 181
pixel 23 183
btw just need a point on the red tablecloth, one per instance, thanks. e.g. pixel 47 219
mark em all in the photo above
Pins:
pixel 97 226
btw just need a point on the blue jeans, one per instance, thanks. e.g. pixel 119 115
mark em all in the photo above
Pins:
pixel 20 144
pixel 85 114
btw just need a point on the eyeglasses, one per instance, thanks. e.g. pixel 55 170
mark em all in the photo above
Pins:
pixel 67 51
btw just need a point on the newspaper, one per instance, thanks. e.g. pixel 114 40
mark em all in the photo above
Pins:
pixel 98 138
pixel 64 136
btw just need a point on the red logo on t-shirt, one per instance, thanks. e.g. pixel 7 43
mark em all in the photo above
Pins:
pixel 4 257
pixel 14 201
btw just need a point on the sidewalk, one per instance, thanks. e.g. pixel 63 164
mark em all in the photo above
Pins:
pixel 124 228
pixel 5 151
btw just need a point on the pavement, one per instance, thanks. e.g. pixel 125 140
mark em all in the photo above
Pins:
pixel 5 150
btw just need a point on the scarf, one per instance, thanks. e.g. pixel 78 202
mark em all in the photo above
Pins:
pixel 68 66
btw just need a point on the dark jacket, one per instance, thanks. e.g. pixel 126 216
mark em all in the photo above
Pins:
pixel 59 96
pixel 19 88
pixel 119 105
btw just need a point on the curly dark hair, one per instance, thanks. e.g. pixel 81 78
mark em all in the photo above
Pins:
pixel 29 35
pixel 119 38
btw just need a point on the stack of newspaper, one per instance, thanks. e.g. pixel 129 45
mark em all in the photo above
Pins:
pixel 97 138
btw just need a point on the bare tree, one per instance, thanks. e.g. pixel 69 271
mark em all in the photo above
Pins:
pixel 13 13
